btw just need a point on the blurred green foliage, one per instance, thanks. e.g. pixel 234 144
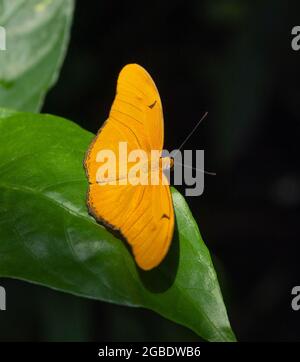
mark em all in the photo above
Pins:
pixel 37 33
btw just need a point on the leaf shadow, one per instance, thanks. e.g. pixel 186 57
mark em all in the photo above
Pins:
pixel 161 278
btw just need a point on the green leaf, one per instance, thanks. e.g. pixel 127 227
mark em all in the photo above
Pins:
pixel 48 237
pixel 37 34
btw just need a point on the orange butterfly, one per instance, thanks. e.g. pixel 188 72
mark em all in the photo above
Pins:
pixel 140 211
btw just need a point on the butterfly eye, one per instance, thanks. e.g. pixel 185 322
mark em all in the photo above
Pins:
pixel 152 105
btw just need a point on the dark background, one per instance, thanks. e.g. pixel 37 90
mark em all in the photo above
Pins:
pixel 230 58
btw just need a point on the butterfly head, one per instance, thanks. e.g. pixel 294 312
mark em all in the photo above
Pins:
pixel 166 163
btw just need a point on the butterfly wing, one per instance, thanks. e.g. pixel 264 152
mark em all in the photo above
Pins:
pixel 143 214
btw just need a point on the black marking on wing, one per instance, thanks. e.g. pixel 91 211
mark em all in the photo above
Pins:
pixel 152 105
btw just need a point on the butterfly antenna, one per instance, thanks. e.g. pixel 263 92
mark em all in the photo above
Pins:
pixel 192 131
pixel 184 142
pixel 197 169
